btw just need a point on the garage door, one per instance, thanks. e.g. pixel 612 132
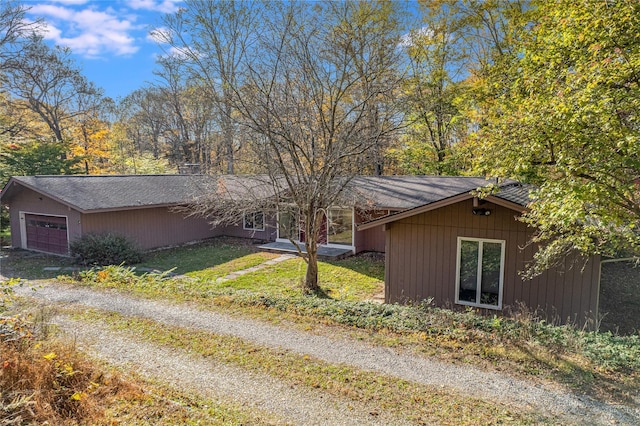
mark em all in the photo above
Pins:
pixel 47 233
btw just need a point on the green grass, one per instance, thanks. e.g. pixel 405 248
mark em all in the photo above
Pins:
pixel 201 257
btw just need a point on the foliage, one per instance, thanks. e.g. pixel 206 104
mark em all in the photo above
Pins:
pixel 126 158
pixel 91 137
pixel 35 158
pixel 4 226
pixel 564 115
pixel 104 249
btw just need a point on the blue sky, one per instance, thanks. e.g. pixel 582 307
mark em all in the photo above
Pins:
pixel 109 38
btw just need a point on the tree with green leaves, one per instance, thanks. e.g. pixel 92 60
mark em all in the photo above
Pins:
pixel 565 115
pixel 36 158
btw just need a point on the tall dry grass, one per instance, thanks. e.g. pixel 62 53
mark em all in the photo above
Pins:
pixel 51 382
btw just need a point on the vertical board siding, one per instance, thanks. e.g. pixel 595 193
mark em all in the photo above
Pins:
pixel 373 239
pixel 422 252
pixel 150 228
pixel 29 201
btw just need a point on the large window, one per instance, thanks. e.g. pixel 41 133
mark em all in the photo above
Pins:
pixel 254 221
pixel 340 227
pixel 480 272
pixel 288 227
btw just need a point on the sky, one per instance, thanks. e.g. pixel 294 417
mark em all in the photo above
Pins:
pixel 109 38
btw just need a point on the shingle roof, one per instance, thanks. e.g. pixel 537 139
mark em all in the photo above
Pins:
pixel 90 193
pixel 113 192
pixel 515 192
pixel 405 192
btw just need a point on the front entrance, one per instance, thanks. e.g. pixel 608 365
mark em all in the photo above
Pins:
pixel 335 231
pixel 46 233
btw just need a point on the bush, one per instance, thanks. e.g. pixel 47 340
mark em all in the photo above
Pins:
pixel 105 249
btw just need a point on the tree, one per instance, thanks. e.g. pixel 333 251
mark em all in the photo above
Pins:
pixel 144 113
pixel 306 105
pixel 448 58
pixel 438 69
pixel 565 115
pixel 50 84
pixel 14 29
pixel 210 39
pixel 35 158
pixel 126 158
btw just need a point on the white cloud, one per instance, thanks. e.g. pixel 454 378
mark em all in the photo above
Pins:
pixel 159 35
pixel 88 31
pixel 70 2
pixel 164 6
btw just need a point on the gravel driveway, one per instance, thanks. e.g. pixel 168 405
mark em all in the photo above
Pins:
pixel 465 380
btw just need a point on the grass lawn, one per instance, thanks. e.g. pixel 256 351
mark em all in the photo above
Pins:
pixel 353 279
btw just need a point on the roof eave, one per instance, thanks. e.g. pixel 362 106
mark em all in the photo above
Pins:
pixel 436 205
pixel 123 208
pixel 12 182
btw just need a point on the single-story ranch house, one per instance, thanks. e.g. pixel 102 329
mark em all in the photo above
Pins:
pixel 440 241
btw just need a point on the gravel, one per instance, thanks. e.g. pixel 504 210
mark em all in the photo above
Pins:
pixel 465 380
pixel 219 381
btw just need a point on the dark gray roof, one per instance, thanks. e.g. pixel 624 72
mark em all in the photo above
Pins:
pixel 405 192
pixel 113 192
pixel 90 193
pixel 516 192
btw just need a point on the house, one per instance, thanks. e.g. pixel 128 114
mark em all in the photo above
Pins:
pixel 460 250
pixel 47 212
pixel 441 242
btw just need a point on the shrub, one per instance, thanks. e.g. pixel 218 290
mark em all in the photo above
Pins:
pixel 105 249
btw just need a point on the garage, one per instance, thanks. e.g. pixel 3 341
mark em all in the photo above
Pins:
pixel 46 233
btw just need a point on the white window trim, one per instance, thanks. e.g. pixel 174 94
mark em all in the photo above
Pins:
pixel 503 244
pixel 244 221
pixel 353 230
pixel 279 238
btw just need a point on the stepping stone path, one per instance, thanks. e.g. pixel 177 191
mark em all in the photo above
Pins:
pixel 237 274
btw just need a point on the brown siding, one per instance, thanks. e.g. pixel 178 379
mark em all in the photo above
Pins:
pixel 28 201
pixel 150 228
pixel 370 239
pixel 421 263
pixel 269 233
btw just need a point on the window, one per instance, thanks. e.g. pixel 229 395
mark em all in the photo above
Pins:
pixel 254 221
pixel 340 227
pixel 288 227
pixel 480 270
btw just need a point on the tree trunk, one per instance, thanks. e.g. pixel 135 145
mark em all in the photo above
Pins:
pixel 310 285
pixel 312 224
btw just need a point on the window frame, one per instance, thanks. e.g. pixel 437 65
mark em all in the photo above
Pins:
pixel 253 221
pixel 330 221
pixel 480 242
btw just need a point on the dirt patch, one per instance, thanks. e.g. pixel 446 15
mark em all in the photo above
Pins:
pixel 620 297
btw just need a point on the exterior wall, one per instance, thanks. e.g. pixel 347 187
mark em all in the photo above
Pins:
pixel 372 239
pixel 150 228
pixel 269 233
pixel 421 263
pixel 28 201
